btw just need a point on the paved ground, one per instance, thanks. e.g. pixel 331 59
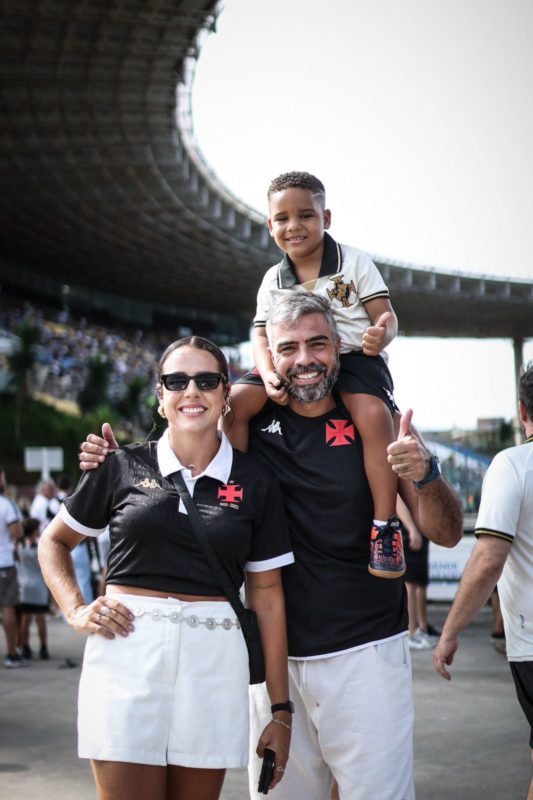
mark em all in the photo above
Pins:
pixel 471 740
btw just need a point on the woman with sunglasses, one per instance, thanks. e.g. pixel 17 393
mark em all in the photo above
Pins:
pixel 163 701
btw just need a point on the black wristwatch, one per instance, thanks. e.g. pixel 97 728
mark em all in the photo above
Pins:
pixel 288 706
pixel 433 474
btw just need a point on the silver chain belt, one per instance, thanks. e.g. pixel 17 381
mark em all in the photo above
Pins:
pixel 192 620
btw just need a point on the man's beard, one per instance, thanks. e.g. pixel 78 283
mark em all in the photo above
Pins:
pixel 313 392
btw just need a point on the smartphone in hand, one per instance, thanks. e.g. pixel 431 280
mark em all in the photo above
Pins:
pixel 267 770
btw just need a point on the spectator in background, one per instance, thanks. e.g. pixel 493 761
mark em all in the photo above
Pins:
pixel 45 504
pixel 33 591
pixel 503 554
pixel 498 632
pixel 64 487
pixel 422 635
pixel 10 532
pixel 81 555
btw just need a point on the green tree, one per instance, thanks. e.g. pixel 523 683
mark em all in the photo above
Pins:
pixel 132 407
pixel 21 365
pixel 96 390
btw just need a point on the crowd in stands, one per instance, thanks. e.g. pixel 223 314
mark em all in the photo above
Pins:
pixel 466 480
pixel 463 472
pixel 67 345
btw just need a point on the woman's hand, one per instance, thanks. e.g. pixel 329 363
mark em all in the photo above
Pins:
pixel 278 738
pixel 105 616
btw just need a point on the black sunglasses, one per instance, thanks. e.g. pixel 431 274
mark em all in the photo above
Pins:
pixel 205 381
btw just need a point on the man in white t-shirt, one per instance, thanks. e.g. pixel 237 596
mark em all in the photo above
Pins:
pixel 503 554
pixel 45 504
pixel 10 532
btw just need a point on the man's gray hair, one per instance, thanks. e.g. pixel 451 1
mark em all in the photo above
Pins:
pixel 290 310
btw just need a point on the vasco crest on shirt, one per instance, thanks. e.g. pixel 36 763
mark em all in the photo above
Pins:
pixel 342 291
pixel 230 495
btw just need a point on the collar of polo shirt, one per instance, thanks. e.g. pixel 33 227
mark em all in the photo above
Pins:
pixel 219 468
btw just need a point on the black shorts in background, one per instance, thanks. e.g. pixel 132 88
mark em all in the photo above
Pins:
pixel 522 672
pixel 416 563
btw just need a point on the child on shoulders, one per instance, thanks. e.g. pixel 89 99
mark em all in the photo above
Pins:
pixel 345 276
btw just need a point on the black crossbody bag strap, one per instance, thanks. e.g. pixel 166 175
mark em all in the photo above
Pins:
pixel 198 527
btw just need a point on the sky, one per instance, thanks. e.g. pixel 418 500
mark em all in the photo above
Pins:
pixel 418 118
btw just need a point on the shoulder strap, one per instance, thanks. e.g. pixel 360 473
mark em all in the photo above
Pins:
pixel 199 529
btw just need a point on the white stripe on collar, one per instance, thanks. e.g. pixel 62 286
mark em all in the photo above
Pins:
pixel 219 468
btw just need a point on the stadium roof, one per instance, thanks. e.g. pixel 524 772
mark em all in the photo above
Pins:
pixel 103 189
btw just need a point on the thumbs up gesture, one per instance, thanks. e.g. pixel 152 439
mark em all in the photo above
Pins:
pixel 375 336
pixel 408 455
pixel 95 448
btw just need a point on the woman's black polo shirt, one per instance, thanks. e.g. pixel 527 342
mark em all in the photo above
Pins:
pixel 152 543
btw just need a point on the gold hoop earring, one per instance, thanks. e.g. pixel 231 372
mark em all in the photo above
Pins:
pixel 226 408
pixel 161 412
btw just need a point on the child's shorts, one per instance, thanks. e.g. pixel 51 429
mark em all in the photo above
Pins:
pixel 359 374
pixel 175 691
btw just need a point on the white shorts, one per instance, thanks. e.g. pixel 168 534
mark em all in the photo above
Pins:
pixel 175 691
pixel 353 722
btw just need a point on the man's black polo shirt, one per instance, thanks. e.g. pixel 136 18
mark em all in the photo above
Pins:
pixel 333 603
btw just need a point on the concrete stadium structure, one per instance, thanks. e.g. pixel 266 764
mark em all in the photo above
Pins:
pixel 106 200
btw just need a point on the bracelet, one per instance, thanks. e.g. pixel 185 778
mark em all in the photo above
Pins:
pixel 280 722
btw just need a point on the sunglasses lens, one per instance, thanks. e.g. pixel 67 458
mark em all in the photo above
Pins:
pixel 176 383
pixel 207 381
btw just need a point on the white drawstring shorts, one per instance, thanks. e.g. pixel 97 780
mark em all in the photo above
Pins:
pixel 353 721
pixel 175 691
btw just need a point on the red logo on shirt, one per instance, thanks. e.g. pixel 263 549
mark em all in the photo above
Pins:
pixel 231 492
pixel 339 432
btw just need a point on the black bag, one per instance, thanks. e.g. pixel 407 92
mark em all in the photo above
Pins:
pixel 246 616
pixel 256 660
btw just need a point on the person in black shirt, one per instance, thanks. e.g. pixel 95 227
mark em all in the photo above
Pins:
pixel 163 703
pixel 349 662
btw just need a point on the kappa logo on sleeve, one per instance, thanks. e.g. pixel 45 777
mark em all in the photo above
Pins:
pixel 148 483
pixel 339 432
pixel 230 495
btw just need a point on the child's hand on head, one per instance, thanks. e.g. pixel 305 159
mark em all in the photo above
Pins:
pixel 275 389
